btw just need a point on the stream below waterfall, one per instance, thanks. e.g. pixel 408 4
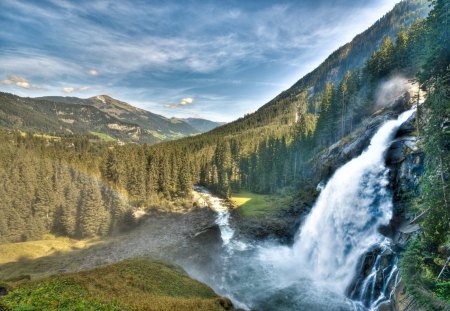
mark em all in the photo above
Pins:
pixel 316 272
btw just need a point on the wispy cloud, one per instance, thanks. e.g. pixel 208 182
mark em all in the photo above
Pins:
pixel 183 102
pixel 245 51
pixel 79 89
pixel 68 89
pixel 21 82
pixel 37 64
pixel 18 81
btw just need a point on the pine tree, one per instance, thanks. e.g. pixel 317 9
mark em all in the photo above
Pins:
pixel 43 203
pixel 400 50
pixel 91 210
pixel 70 210
pixel 184 178
pixel 111 168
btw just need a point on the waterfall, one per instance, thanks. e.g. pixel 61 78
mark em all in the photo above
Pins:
pixel 343 224
pixel 222 219
pixel 319 271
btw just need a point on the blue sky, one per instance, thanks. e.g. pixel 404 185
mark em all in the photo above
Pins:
pixel 212 59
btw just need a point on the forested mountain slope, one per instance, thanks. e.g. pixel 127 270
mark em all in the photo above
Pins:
pixel 101 115
pixel 283 108
pixel 159 126
pixel 202 125
pixel 263 159
pixel 303 120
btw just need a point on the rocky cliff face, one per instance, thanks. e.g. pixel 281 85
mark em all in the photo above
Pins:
pixel 405 161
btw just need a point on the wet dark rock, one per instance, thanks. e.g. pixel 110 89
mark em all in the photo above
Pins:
pixel 280 225
pixel 3 291
pixel 406 163
pixel 385 306
pixel 330 159
pixel 383 260
pixel 407 128
pixel 403 103
pixel 395 153
pixel 225 303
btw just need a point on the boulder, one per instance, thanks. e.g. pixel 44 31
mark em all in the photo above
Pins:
pixel 385 306
pixel 225 303
pixel 3 291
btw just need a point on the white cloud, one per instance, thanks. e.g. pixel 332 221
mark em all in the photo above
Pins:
pixel 186 101
pixel 137 40
pixel 76 89
pixel 23 84
pixel 254 35
pixel 18 81
pixel 68 89
pixel 183 102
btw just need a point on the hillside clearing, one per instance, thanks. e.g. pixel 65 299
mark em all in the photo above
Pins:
pixel 252 204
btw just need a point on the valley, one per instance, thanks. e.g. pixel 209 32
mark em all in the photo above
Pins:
pixel 331 196
pixel 102 116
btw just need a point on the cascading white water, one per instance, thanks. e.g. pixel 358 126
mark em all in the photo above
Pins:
pixel 344 222
pixel 222 219
pixel 316 271
pixel 223 215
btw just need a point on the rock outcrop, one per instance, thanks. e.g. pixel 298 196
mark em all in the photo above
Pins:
pixel 405 160
pixel 3 291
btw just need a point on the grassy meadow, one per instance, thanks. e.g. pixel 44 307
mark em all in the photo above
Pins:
pixel 252 204
pixel 135 284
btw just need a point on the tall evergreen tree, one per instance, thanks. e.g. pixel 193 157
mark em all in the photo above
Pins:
pixel 91 210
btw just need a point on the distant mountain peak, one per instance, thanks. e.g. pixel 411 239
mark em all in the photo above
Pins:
pixel 113 103
pixel 101 98
pixel 201 125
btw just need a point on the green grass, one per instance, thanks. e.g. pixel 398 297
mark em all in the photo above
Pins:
pixel 253 204
pixel 135 284
pixel 37 259
pixel 44 136
pixel 14 252
pixel 176 135
pixel 157 134
pixel 103 136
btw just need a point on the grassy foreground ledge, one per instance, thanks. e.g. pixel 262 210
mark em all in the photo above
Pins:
pixel 252 204
pixel 135 284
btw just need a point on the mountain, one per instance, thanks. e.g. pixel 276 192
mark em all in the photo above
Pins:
pixel 202 125
pixel 348 57
pixel 100 115
pixel 320 109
